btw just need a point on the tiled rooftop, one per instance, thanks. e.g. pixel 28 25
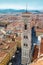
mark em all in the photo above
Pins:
pixel 2 55
pixel 41 46
pixel 36 60
pixel 35 54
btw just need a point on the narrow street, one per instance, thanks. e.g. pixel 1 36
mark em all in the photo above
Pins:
pixel 17 59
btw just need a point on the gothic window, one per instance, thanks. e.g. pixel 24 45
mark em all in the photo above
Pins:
pixel 25 26
pixel 26 37
pixel 26 45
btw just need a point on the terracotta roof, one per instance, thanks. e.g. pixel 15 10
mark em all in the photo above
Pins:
pixel 35 54
pixel 18 38
pixel 41 46
pixel 7 45
pixel 27 13
pixel 38 62
pixel 2 55
pixel 39 30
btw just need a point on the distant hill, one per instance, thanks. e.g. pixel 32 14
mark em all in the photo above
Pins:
pixel 6 11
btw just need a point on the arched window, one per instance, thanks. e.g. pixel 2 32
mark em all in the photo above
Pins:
pixel 25 26
pixel 26 45
pixel 25 37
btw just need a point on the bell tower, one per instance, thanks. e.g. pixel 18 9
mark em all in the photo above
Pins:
pixel 26 39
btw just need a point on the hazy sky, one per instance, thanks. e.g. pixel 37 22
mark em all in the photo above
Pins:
pixel 21 4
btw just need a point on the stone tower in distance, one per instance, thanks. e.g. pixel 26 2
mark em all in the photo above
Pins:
pixel 26 38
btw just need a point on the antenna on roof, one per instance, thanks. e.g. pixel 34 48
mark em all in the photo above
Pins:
pixel 26 8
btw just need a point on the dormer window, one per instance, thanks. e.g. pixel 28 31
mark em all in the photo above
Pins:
pixel 25 26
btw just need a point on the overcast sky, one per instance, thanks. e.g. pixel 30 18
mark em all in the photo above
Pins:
pixel 21 4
